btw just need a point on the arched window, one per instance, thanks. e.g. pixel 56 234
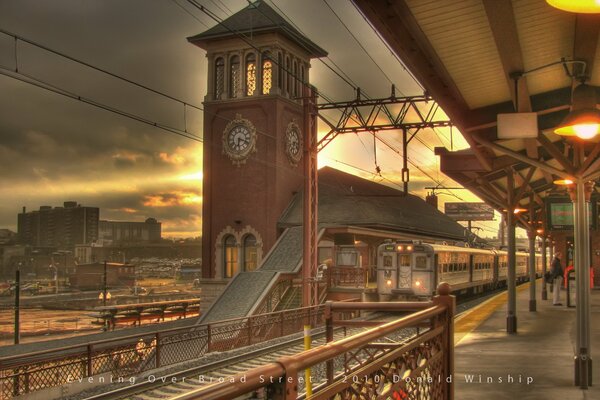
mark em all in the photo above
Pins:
pixel 288 72
pixel 250 74
pixel 267 74
pixel 230 256
pixel 279 71
pixel 250 253
pixel 234 77
pixel 219 78
pixel 295 81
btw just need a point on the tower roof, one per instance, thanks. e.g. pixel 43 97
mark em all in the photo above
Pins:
pixel 258 17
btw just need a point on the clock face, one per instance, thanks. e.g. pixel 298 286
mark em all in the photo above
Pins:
pixel 293 143
pixel 239 140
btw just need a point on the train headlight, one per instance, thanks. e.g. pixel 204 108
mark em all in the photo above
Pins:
pixel 388 282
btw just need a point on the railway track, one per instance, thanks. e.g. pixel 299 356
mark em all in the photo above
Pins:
pixel 169 385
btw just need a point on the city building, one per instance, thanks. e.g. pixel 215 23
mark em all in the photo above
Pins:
pixel 7 236
pixel 253 139
pixel 117 232
pixel 91 276
pixel 60 227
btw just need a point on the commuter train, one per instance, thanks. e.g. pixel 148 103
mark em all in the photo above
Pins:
pixel 414 269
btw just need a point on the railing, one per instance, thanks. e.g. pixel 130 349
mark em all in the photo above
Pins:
pixel 274 296
pixel 367 365
pixel 347 277
pixel 134 354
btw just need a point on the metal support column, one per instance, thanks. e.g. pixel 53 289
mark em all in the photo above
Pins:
pixel 532 277
pixel 544 268
pixel 511 317
pixel 583 361
pixel 405 170
pixel 309 287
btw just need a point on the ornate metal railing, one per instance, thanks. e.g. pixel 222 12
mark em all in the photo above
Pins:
pixel 132 355
pixel 347 277
pixel 274 295
pixel 365 366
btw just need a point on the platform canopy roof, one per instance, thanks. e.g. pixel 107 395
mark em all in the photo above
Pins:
pixel 466 53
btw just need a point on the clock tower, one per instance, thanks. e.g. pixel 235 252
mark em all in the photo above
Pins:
pixel 258 65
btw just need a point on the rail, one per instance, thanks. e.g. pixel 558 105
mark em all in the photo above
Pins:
pixel 347 277
pixel 134 354
pixel 373 366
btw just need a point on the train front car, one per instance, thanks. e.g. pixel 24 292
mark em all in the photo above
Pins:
pixel 405 270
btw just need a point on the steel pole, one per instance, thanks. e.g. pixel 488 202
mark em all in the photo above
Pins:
pixel 511 318
pixel 544 269
pixel 17 306
pixel 532 301
pixel 583 361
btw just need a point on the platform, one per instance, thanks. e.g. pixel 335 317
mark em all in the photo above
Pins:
pixel 542 351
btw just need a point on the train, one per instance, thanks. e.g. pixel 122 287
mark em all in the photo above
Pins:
pixel 411 269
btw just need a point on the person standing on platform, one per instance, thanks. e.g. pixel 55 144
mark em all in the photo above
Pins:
pixel 557 273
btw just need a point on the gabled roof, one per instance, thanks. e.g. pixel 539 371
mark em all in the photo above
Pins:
pixel 258 17
pixel 467 55
pixel 348 200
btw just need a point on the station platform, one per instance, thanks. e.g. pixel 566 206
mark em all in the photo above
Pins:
pixel 535 363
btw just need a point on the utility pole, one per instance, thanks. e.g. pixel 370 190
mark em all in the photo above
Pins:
pixel 17 306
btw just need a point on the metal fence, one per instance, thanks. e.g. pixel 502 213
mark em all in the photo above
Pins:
pixel 132 355
pixel 372 366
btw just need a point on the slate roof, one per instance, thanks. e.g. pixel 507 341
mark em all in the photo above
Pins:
pixel 287 253
pixel 348 200
pixel 239 296
pixel 258 17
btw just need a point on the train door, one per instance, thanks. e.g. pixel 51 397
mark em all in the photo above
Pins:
pixel 404 271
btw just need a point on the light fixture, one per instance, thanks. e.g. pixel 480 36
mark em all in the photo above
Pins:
pixel 584 119
pixel 540 230
pixel 576 6
pixel 564 182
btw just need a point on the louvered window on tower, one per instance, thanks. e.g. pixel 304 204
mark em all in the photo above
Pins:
pixel 267 76
pixel 250 74
pixel 295 79
pixel 234 77
pixel 219 78
pixel 279 71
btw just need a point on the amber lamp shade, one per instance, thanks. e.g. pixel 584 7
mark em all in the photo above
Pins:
pixel 584 119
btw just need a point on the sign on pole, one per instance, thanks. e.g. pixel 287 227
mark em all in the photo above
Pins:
pixel 469 211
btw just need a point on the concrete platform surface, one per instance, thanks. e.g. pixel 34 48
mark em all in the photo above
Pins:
pixel 535 363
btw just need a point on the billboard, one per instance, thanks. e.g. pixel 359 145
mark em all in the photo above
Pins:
pixel 469 211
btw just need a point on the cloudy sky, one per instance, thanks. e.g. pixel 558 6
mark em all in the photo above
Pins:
pixel 54 148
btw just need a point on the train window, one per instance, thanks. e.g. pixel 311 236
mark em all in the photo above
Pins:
pixel 387 261
pixel 404 260
pixel 421 262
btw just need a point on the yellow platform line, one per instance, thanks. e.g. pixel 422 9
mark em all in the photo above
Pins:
pixel 470 320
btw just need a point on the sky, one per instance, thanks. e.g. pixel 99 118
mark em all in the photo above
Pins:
pixel 54 148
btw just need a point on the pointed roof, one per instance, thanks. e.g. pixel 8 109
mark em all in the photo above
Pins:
pixel 348 200
pixel 258 17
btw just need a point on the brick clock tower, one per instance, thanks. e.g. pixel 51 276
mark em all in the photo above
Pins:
pixel 253 134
